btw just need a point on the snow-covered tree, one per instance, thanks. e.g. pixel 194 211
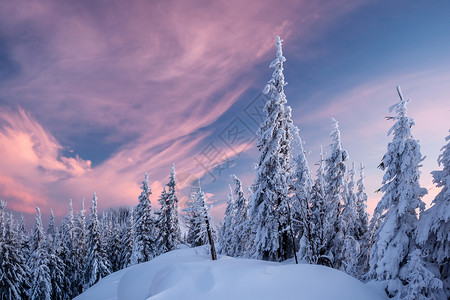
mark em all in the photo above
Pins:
pixel 301 185
pixel 335 193
pixel 80 250
pixel 55 264
pixel 394 240
pixel 41 286
pixel 200 229
pixel 97 265
pixel 270 208
pixel 421 284
pixel 24 239
pixel 67 230
pixel 144 246
pixel 227 231
pixel 13 269
pixel 315 244
pixel 127 240
pixel 434 229
pixel 362 223
pixel 169 233
pixel 240 222
pixel 348 220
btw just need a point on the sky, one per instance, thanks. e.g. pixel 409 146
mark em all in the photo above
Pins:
pixel 93 94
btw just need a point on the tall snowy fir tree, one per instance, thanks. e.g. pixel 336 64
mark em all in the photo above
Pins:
pixel 270 208
pixel 97 265
pixel 362 225
pixel 55 264
pixel 13 268
pixel 41 286
pixel 240 240
pixel 169 233
pixel 227 231
pixel 395 238
pixel 335 193
pixel 144 231
pixel 67 231
pixel 80 251
pixel 127 240
pixel 315 244
pixel 434 230
pixel 301 186
pixel 348 220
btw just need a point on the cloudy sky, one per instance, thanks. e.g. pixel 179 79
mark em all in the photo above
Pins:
pixel 93 94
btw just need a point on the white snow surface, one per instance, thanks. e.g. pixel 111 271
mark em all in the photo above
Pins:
pixel 189 273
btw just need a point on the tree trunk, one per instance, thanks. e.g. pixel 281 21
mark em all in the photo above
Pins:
pixel 210 239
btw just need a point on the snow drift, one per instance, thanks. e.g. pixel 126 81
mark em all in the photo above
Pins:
pixel 190 274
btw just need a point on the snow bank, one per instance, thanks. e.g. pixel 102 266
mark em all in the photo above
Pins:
pixel 190 274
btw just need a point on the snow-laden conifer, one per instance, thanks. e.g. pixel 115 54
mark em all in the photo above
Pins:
pixel 144 236
pixel 227 231
pixel 127 240
pixel 41 286
pixel 169 233
pixel 80 250
pixel 270 208
pixel 302 183
pixel 394 239
pixel 97 265
pixel 13 268
pixel 240 240
pixel 315 245
pixel 434 225
pixel 335 169
pixel 55 264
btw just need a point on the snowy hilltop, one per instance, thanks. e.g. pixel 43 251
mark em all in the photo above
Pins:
pixel 190 273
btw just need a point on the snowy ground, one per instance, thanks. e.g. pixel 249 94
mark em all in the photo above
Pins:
pixel 190 274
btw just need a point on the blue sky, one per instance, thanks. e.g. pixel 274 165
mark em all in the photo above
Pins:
pixel 93 95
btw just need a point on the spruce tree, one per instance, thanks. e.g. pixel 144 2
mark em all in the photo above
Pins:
pixel 80 251
pixel 169 235
pixel 395 237
pixel 97 265
pixel 67 239
pixel 348 221
pixel 13 268
pixel 433 232
pixel 270 210
pixel 240 221
pixel 315 244
pixel 55 263
pixel 41 286
pixel 227 231
pixel 335 193
pixel 127 239
pixel 144 246
pixel 301 186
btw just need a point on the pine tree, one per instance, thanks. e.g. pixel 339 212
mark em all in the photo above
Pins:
pixel 227 231
pixel 315 245
pixel 67 239
pixel 127 241
pixel 348 221
pixel 302 187
pixel 144 241
pixel 421 284
pixel 362 224
pixel 394 239
pixel 13 269
pixel 335 193
pixel 41 287
pixel 270 200
pixel 240 221
pixel 24 239
pixel 97 265
pixel 55 264
pixel 80 250
pixel 169 229
pixel 433 232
